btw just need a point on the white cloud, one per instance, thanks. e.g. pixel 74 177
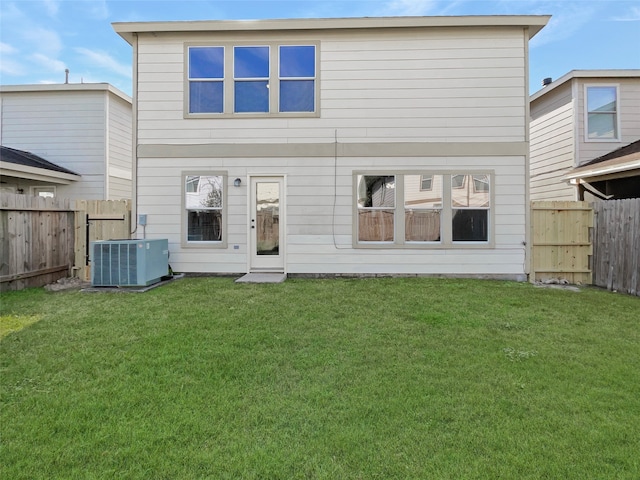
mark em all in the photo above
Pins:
pixel 45 41
pixel 104 60
pixel 565 23
pixel 6 49
pixel 410 7
pixel 632 16
pixel 52 7
pixel 97 9
pixel 11 67
pixel 50 64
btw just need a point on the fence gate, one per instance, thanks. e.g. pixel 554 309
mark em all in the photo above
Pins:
pixel 561 240
pixel 98 220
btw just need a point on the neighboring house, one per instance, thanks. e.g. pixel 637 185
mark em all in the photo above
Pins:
pixel 335 146
pixel 576 119
pixel 82 128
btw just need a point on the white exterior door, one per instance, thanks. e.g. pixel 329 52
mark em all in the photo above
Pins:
pixel 266 224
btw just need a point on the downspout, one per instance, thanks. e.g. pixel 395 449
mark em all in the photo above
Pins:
pixel 107 147
pixel 134 140
pixel 527 173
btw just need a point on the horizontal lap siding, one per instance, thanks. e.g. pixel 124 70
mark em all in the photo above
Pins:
pixel 552 154
pixel 319 239
pixel 432 85
pixel 66 128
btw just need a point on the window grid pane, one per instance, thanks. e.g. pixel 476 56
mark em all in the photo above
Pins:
pixel 206 62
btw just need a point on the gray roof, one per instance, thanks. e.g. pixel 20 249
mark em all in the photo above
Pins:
pixel 28 159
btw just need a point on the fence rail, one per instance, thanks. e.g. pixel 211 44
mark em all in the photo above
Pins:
pixel 616 239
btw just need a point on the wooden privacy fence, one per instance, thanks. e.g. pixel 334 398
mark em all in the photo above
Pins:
pixel 616 245
pixel 37 238
pixel 45 239
pixel 561 241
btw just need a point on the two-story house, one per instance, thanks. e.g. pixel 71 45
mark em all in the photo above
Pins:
pixel 351 146
pixel 582 128
pixel 66 140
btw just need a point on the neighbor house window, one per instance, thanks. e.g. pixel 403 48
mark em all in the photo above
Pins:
pixel 602 113
pixel 46 192
pixel 268 78
pixel 204 203
pixel 206 79
pixel 398 209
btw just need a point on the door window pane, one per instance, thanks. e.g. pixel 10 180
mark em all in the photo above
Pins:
pixel 267 218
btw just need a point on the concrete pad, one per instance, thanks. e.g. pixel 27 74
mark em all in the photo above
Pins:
pixel 262 278
pixel 135 289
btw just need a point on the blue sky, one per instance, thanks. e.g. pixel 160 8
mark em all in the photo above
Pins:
pixel 40 38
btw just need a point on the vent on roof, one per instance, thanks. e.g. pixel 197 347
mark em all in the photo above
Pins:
pixel 546 81
pixel 128 263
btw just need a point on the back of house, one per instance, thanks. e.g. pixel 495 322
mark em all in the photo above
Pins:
pixel 356 146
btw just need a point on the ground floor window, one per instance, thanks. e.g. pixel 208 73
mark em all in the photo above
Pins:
pixel 204 207
pixel 423 209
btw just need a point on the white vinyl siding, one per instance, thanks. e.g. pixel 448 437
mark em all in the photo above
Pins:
pixel 319 238
pixel 85 131
pixel 552 155
pixel 464 85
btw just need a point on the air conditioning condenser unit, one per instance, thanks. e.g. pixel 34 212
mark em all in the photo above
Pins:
pixel 129 263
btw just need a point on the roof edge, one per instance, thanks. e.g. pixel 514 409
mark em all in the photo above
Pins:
pixel 66 87
pixel 534 23
pixel 612 73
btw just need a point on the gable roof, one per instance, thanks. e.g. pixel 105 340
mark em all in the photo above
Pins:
pixel 605 74
pixel 534 23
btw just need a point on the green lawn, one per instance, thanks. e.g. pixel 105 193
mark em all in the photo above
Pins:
pixel 363 379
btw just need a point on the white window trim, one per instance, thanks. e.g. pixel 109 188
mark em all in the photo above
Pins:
pixel 34 189
pixel 274 80
pixel 185 243
pixel 585 104
pixel 446 216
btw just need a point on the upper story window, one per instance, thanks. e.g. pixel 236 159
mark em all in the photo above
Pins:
pixel 251 79
pixel 269 79
pixel 206 79
pixel 602 113
pixel 297 78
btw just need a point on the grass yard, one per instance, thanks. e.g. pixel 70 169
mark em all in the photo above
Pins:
pixel 354 379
